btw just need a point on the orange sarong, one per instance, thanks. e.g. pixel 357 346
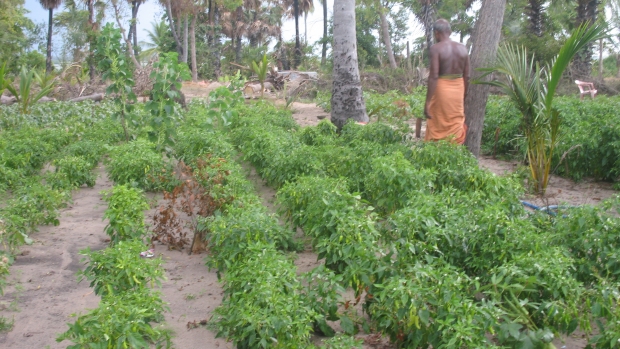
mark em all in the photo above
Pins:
pixel 447 112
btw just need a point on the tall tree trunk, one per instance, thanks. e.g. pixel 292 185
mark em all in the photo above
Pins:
pixel 324 50
pixel 306 28
pixel 48 60
pixel 600 60
pixel 236 39
pixel 91 39
pixel 286 65
pixel 175 33
pixel 387 41
pixel 117 15
pixel 582 63
pixel 488 29
pixel 428 19
pixel 133 26
pixel 217 63
pixel 618 64
pixel 185 38
pixel 297 59
pixel 347 99
pixel 192 37
pixel 534 12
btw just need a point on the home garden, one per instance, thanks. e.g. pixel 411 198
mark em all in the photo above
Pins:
pixel 413 240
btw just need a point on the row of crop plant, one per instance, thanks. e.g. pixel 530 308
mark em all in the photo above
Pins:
pixel 124 280
pixel 266 303
pixel 444 251
pixel 70 139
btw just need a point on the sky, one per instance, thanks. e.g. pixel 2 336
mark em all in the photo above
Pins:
pixel 151 11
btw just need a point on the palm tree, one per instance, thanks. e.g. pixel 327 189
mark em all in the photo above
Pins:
pixel 532 88
pixel 324 49
pixel 587 11
pixel 306 7
pixel 160 41
pixel 347 98
pixel 49 5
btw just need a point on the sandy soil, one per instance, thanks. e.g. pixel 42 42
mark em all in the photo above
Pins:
pixel 43 290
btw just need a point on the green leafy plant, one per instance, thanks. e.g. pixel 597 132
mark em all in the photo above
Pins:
pixel 115 68
pixel 532 89
pixel 119 269
pixel 263 304
pixel 167 75
pixel 26 95
pixel 261 72
pixel 394 180
pixel 428 305
pixel 125 214
pixel 91 151
pixel 136 163
pixel 121 321
pixel 71 172
pixel 3 80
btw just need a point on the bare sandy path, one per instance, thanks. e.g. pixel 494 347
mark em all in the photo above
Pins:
pixel 43 290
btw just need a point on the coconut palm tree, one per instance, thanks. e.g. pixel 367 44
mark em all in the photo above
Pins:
pixel 49 5
pixel 532 88
pixel 159 41
pixel 347 99
pixel 306 7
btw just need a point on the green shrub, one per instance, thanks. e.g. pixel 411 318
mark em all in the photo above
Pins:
pixel 322 134
pixel 394 180
pixel 119 269
pixel 71 172
pixel 91 151
pixel 428 305
pixel 591 235
pixel 137 164
pixel 264 305
pixel 230 235
pixel 125 214
pixel 376 132
pixel 538 294
pixel 121 321
pixel 10 177
pixel 191 144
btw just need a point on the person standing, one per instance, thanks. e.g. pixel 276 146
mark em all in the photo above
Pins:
pixel 447 87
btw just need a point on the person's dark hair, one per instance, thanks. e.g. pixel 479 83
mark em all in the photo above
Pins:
pixel 442 26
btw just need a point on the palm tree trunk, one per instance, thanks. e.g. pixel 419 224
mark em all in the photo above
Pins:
pixel 185 38
pixel 385 31
pixel 347 99
pixel 192 36
pixel 297 59
pixel 582 63
pixel 175 33
pixel 306 28
pixel 600 60
pixel 324 50
pixel 134 21
pixel 487 32
pixel 91 39
pixel 48 60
